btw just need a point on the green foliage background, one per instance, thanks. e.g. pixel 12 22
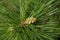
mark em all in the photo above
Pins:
pixel 13 12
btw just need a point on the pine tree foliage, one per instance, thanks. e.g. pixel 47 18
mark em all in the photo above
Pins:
pixel 14 13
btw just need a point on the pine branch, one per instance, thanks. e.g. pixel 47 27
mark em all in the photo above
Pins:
pixel 29 19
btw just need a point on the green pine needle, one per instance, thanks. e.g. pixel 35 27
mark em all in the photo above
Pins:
pixel 14 24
